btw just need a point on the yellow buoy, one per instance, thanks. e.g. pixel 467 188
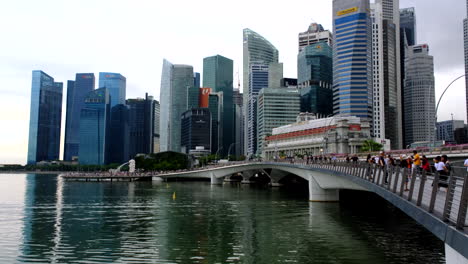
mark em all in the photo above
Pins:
pixel 173 196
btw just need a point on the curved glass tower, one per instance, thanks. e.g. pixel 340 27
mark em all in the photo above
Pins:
pixel 258 52
pixel 352 58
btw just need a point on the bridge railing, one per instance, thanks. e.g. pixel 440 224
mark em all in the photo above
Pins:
pixel 445 196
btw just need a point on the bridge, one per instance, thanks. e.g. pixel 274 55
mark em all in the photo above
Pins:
pixel 442 212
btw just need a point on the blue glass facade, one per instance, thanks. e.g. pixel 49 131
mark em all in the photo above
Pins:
pixel 352 58
pixel 94 128
pixel 76 93
pixel 45 118
pixel 116 84
pixel 118 135
pixel 315 77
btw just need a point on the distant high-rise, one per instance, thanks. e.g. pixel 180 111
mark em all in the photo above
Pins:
pixel 218 75
pixel 118 135
pixel 94 128
pixel 176 82
pixel 276 107
pixel 193 92
pixel 116 84
pixel 258 53
pixel 141 125
pixel 315 77
pixel 45 118
pixel 156 130
pixel 215 105
pixel 419 95
pixel 239 123
pixel 352 58
pixel 76 92
pixel 387 121
pixel 407 38
pixel 196 130
pixel 315 33
pixel 446 130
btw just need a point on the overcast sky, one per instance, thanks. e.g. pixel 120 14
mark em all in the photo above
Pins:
pixel 132 38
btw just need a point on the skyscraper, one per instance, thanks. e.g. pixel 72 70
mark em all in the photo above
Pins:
pixel 407 38
pixel 45 118
pixel 387 116
pixel 315 33
pixel 239 123
pixel 419 95
pixel 315 77
pixel 176 82
pixel 141 125
pixel 94 128
pixel 276 107
pixel 156 130
pixel 76 93
pixel 258 53
pixel 193 91
pixel 218 75
pixel 118 135
pixel 196 130
pixel 116 85
pixel 352 59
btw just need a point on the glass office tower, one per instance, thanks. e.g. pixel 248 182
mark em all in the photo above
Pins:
pixel 45 118
pixel 176 82
pixel 76 93
pixel 315 76
pixel 141 125
pixel 258 52
pixel 352 59
pixel 94 128
pixel 115 84
pixel 218 75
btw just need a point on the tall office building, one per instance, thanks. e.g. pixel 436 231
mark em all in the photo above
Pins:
pixel 141 125
pixel 387 122
pixel 239 122
pixel 156 130
pixel 116 84
pixel 276 107
pixel 446 130
pixel 315 33
pixel 76 93
pixel 45 118
pixel 407 38
pixel 176 82
pixel 352 59
pixel 315 77
pixel 419 95
pixel 258 53
pixel 118 134
pixel 94 128
pixel 218 75
pixel 194 91
pixel 215 105
pixel 196 128
pixel 465 40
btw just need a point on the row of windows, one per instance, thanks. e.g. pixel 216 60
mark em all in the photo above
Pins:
pixel 351 18
pixel 353 50
pixel 353 46
pixel 344 30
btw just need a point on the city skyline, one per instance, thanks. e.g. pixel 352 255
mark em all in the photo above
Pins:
pixel 18 63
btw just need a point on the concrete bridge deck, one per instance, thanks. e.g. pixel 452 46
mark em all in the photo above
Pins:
pixel 443 212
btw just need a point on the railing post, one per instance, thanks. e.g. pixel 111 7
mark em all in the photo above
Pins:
pixel 374 174
pixel 380 174
pixel 463 205
pixel 413 181
pixel 403 181
pixel 390 177
pixel 421 188
pixel 435 188
pixel 452 182
pixel 397 174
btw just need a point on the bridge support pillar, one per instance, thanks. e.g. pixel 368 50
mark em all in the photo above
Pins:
pixel 317 194
pixel 246 175
pixel 214 180
pixel 453 257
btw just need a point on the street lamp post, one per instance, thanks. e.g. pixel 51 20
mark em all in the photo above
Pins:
pixel 216 155
pixel 437 106
pixel 229 150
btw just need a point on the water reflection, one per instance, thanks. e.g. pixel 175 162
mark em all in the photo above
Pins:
pixel 123 222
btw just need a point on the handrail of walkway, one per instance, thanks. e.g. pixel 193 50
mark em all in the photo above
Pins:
pixel 416 186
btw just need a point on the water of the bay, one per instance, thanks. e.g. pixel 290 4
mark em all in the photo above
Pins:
pixel 47 220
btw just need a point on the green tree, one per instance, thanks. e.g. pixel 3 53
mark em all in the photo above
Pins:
pixel 371 145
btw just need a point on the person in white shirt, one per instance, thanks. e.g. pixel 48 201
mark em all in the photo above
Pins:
pixel 466 164
pixel 442 170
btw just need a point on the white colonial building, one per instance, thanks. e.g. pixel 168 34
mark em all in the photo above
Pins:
pixel 337 135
